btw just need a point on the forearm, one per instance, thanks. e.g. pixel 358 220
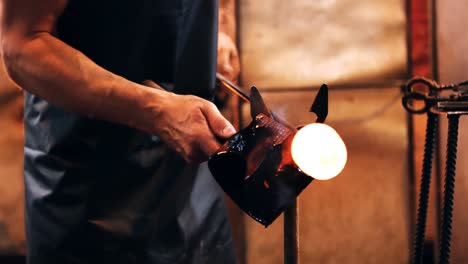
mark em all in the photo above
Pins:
pixel 47 67
pixel 227 17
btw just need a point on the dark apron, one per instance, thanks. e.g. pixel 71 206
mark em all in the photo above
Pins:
pixel 98 192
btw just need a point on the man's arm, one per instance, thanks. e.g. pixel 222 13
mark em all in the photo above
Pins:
pixel 228 57
pixel 49 68
pixel 227 18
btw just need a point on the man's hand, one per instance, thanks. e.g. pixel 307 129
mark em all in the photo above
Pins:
pixel 228 58
pixel 191 126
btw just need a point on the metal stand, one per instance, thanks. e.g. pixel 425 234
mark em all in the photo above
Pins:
pixel 291 231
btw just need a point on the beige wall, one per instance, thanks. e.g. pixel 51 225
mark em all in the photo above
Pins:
pixel 452 41
pixel 334 41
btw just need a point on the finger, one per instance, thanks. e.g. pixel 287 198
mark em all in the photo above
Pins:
pixel 209 146
pixel 216 121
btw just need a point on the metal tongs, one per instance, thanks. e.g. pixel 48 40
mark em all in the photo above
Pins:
pixel 427 96
pixel 423 95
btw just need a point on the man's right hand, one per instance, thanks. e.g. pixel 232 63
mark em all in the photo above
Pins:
pixel 191 126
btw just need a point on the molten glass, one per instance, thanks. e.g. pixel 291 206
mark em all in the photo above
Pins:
pixel 319 151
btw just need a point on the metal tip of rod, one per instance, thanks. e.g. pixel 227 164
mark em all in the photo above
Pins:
pixel 232 87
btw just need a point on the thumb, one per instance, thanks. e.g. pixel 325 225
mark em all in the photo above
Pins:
pixel 216 121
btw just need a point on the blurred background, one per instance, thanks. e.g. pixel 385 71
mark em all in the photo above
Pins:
pixel 365 51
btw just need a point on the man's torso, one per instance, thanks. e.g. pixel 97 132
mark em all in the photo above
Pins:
pixel 98 192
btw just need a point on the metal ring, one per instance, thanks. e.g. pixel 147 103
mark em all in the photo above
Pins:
pixel 429 84
pixel 409 98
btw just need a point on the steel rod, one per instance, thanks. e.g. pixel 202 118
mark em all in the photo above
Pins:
pixel 291 231
pixel 431 133
pixel 449 189
pixel 232 87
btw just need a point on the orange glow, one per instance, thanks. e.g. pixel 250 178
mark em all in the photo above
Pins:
pixel 319 151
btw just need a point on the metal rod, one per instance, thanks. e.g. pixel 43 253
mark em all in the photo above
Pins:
pixel 449 189
pixel 431 132
pixel 232 87
pixel 222 80
pixel 291 231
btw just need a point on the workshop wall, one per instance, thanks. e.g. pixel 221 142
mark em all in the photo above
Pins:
pixel 452 43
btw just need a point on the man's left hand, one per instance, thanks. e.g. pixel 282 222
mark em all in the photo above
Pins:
pixel 228 57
